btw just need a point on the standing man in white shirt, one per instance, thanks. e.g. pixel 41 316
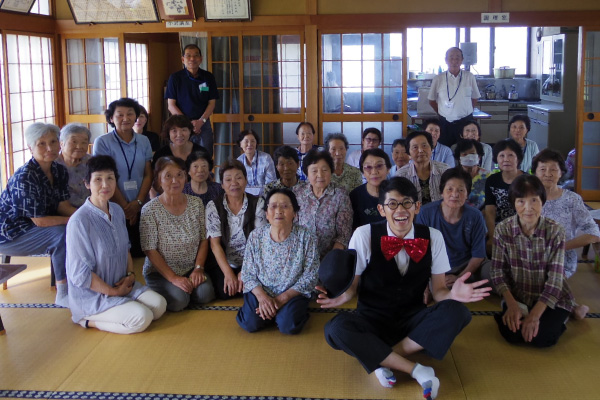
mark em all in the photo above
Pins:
pixel 453 95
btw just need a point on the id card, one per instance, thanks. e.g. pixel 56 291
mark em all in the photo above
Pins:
pixel 203 87
pixel 449 104
pixel 130 185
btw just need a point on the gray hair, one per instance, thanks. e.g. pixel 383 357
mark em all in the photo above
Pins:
pixel 72 129
pixel 35 131
pixel 336 136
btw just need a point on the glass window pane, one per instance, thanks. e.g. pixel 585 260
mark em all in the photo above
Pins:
pixel 75 51
pixel 413 49
pixel 36 50
pixel 511 48
pixel 481 36
pixel 12 49
pixel 436 41
pixel 331 47
pixel 351 49
pixel 24 49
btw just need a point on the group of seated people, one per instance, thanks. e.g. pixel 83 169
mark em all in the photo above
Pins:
pixel 419 230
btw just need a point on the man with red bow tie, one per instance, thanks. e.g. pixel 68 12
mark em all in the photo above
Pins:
pixel 395 262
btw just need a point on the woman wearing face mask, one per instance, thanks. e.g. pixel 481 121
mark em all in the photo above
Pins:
pixel 472 130
pixel 468 154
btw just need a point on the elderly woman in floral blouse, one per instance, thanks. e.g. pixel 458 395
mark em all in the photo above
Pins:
pixel 345 175
pixel 74 142
pixel 325 208
pixel 280 269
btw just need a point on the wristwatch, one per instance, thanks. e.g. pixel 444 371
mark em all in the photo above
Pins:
pixel 130 273
pixel 203 119
pixel 199 267
pixel 139 202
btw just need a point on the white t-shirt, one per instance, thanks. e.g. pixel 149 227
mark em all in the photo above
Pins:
pixel 461 89
pixel 361 242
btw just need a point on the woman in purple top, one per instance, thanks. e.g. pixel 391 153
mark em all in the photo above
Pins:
pixel 199 164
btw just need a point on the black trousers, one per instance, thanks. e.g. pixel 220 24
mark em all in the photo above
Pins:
pixel 218 278
pixel 452 131
pixel 552 326
pixel 370 340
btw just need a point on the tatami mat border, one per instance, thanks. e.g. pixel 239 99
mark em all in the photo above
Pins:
pixel 39 394
pixel 236 308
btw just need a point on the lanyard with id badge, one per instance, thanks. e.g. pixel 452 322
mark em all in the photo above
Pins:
pixel 203 87
pixel 128 184
pixel 449 103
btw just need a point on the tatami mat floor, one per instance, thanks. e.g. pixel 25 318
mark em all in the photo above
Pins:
pixel 199 353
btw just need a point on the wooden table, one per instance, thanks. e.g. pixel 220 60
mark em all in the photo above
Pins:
pixel 7 271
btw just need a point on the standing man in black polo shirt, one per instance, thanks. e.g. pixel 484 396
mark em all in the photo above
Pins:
pixel 193 92
pixel 453 95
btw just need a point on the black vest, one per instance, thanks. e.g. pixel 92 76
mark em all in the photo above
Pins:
pixel 249 217
pixel 384 292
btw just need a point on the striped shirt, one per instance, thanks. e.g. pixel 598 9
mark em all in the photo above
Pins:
pixel 437 169
pixel 531 268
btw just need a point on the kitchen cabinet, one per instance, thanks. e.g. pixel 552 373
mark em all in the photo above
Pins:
pixel 550 128
pixel 495 128
pixel 559 67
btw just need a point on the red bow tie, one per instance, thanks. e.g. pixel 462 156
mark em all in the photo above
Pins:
pixel 415 248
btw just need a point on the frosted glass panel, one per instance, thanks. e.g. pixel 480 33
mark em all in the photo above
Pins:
pixel 590 178
pixel 591 132
pixel 590 156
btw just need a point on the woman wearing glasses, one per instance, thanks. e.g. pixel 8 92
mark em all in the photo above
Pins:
pixel 280 269
pixel 371 139
pixel 374 165
pixel 421 170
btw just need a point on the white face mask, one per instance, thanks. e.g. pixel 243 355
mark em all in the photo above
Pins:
pixel 470 160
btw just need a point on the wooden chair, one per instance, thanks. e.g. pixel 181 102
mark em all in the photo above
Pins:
pixel 6 260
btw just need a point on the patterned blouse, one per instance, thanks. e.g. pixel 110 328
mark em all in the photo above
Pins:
pixel 278 185
pixel 237 242
pixel 477 196
pixel 531 267
pixel 277 267
pixel 328 217
pixel 350 179
pixel 175 237
pixel 437 169
pixel 213 190
pixel 79 193
pixel 570 212
pixel 29 194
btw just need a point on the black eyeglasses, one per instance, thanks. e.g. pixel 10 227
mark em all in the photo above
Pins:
pixel 393 204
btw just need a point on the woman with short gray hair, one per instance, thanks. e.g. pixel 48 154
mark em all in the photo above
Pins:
pixel 343 174
pixel 74 143
pixel 34 207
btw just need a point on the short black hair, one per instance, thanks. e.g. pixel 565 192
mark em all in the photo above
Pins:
pixel 306 123
pixel 432 121
pixel 454 48
pixel 467 144
pixel 245 133
pixel 371 130
pixel 456 173
pixel 509 144
pixel 336 136
pixel 314 156
pixel 526 185
pixel 199 155
pixel 548 155
pixel 399 184
pixel 191 46
pixel 286 152
pixel 163 163
pixel 415 134
pixel 520 117
pixel 284 191
pixel 122 102
pixel 232 164
pixel 376 152
pixel 100 163
pixel 178 121
pixel 399 142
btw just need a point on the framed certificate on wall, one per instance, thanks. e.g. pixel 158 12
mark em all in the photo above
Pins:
pixel 19 6
pixel 113 11
pixel 174 10
pixel 221 10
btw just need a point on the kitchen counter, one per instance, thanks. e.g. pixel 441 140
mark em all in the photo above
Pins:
pixel 548 107
pixel 477 114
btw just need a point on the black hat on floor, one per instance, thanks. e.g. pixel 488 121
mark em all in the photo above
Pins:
pixel 337 271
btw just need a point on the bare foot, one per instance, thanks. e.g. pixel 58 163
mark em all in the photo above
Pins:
pixel 580 311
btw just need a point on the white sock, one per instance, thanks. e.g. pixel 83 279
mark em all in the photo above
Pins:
pixel 426 378
pixel 62 295
pixel 386 377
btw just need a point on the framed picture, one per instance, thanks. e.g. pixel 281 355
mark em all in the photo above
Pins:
pixel 174 10
pixel 220 10
pixel 19 6
pixel 113 11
